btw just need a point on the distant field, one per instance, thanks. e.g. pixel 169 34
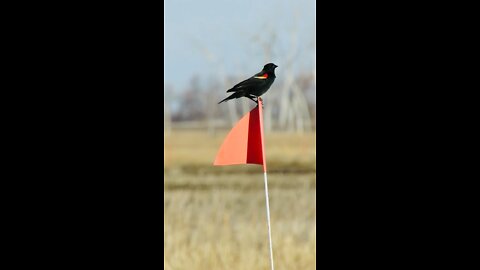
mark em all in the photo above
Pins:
pixel 215 216
pixel 196 151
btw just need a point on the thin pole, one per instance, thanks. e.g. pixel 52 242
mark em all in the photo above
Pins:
pixel 260 111
pixel 268 219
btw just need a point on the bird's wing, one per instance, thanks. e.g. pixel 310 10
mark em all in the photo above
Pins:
pixel 252 81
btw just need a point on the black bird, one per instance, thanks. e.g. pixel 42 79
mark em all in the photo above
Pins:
pixel 254 86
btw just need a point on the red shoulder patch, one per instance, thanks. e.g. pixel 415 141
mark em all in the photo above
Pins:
pixel 264 76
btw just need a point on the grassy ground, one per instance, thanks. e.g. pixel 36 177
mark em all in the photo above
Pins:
pixel 215 216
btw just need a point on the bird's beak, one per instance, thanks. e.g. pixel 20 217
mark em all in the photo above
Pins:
pixel 276 66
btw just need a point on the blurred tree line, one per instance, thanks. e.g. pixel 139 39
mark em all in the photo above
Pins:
pixel 289 105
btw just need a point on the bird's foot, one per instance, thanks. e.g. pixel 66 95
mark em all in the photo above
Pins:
pixel 260 99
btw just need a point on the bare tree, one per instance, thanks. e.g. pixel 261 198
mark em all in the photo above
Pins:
pixel 213 59
pixel 294 114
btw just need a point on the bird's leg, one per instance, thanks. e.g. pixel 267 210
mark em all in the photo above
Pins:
pixel 251 97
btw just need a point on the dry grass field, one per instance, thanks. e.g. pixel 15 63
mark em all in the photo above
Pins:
pixel 215 216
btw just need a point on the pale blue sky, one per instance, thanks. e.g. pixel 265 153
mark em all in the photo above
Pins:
pixel 225 29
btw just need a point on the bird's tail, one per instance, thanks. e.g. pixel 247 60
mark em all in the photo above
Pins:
pixel 232 96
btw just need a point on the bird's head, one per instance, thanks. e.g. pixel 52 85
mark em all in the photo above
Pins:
pixel 270 67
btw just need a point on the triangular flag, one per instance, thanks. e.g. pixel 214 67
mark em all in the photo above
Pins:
pixel 244 143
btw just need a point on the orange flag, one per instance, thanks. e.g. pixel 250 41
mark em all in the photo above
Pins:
pixel 244 143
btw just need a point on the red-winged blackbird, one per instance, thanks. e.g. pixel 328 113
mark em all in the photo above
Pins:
pixel 254 86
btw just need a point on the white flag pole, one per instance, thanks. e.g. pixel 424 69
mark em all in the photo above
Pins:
pixel 260 105
pixel 268 219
